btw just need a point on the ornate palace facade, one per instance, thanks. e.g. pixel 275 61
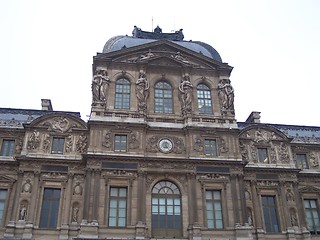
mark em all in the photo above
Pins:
pixel 162 156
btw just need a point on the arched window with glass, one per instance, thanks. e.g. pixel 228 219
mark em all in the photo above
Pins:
pixel 122 94
pixel 163 98
pixel 166 210
pixel 204 99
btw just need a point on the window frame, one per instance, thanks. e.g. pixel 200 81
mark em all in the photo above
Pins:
pixel 123 145
pixel 122 96
pixel 7 150
pixel 160 103
pixel 317 211
pixel 4 201
pixel 210 148
pixel 44 221
pixel 117 208
pixel 272 218
pixel 204 92
pixel 56 146
pixel 212 205
pixel 266 154
pixel 302 163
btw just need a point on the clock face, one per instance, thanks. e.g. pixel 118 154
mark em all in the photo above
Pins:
pixel 165 145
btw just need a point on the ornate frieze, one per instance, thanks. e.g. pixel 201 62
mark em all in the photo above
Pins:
pixel 60 124
pixel 82 143
pixel 33 141
pixel 153 144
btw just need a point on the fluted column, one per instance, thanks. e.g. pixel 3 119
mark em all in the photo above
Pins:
pixel 86 201
pixel 16 197
pixel 256 207
pixel 96 192
pixel 234 197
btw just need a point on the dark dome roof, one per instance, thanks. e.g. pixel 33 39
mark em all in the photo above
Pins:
pixel 141 37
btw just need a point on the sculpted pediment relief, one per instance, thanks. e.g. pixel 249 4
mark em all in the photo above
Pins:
pixel 60 123
pixel 262 135
pixel 5 179
pixel 309 189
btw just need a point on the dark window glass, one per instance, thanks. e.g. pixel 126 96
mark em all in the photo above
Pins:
pixel 312 215
pixel 122 98
pixel 214 209
pixel 263 155
pixel 7 147
pixel 270 214
pixel 120 143
pixel 166 209
pixel 118 207
pixel 3 197
pixel 302 161
pixel 163 98
pixel 204 99
pixel 57 145
pixel 50 208
pixel 210 148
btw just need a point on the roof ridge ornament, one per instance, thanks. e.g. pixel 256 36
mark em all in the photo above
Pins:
pixel 157 34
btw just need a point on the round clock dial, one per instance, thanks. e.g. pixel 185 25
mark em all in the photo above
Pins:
pixel 165 145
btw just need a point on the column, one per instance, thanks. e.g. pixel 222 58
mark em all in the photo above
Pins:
pixel 256 206
pixel 34 198
pixel 16 198
pixel 96 192
pixel 86 201
pixel 234 197
pixel 66 220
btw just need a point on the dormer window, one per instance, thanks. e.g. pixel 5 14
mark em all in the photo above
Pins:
pixel 57 145
pixel 263 155
pixel 7 148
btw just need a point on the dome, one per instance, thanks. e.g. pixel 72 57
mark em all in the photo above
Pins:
pixel 142 37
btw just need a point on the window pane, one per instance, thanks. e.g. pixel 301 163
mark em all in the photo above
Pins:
pixel 3 196
pixel 57 145
pixel 7 148
pixel 163 98
pixel 270 214
pixel 214 209
pixel 210 148
pixel 117 206
pixel 204 99
pixel 122 94
pixel 263 155
pixel 50 208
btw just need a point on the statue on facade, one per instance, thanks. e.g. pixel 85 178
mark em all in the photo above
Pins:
pixel 75 212
pixel 100 85
pixel 23 213
pixel 186 94
pixel 142 91
pixel 226 95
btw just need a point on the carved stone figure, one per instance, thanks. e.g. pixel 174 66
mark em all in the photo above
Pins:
pixel 198 145
pixel 46 143
pixel 293 219
pixel 142 91
pixel 133 141
pixel 100 84
pixel 75 212
pixel 179 57
pixel 185 95
pixel 244 151
pixel 107 140
pixel 33 141
pixel 60 124
pixel 261 136
pixel 82 143
pixel 283 152
pixel 23 213
pixel 289 196
pixel 69 144
pixel 313 160
pixel 223 146
pixel 148 55
pixel 273 155
pixel 226 94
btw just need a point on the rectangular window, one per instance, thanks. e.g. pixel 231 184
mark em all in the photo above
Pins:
pixel 50 208
pixel 302 162
pixel 57 145
pixel 118 207
pixel 210 148
pixel 120 143
pixel 214 209
pixel 7 148
pixel 263 155
pixel 3 197
pixel 270 214
pixel 312 215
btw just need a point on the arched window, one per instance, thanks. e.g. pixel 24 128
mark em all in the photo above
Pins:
pixel 163 98
pixel 204 99
pixel 166 210
pixel 122 94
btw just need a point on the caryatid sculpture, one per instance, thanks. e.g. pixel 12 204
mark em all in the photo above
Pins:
pixel 226 95
pixel 100 85
pixel 185 95
pixel 142 91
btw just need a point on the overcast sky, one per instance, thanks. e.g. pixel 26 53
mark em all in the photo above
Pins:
pixel 46 49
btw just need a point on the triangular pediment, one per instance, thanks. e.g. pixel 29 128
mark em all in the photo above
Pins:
pixel 309 189
pixel 163 53
pixel 6 179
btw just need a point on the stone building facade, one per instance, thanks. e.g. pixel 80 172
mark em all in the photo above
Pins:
pixel 162 156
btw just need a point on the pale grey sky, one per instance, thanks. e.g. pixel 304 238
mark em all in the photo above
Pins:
pixel 46 49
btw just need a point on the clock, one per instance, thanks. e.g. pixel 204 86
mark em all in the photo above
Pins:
pixel 165 145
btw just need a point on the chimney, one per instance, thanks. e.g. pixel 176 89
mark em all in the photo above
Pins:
pixel 254 117
pixel 46 104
